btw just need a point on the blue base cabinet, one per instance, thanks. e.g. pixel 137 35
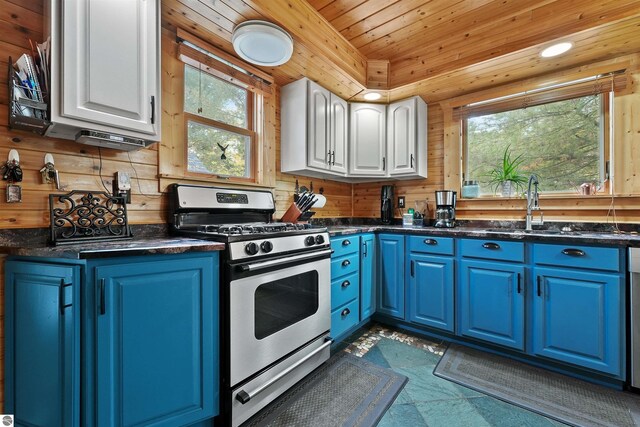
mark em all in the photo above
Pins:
pixel 42 358
pixel 578 317
pixel 155 347
pixel 492 302
pixel 579 306
pixel 390 283
pixel 430 291
pixel 345 284
pixel 147 328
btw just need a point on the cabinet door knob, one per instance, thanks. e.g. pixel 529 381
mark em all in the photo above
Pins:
pixel 491 245
pixel 573 252
pixel 346 262
pixel 346 242
pixel 345 312
pixel 430 242
pixel 346 283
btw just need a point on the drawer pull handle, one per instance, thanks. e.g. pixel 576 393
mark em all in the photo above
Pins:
pixel 491 245
pixel 346 283
pixel 346 242
pixel 430 242
pixel 346 263
pixel 345 312
pixel 573 252
pixel 539 290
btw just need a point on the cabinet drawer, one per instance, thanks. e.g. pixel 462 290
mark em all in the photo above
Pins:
pixel 344 318
pixel 344 290
pixel 431 245
pixel 574 256
pixel 345 265
pixel 492 249
pixel 345 245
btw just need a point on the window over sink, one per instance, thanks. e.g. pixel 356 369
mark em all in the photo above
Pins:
pixel 561 134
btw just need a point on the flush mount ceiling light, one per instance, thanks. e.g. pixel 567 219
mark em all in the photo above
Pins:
pixel 372 96
pixel 262 43
pixel 556 49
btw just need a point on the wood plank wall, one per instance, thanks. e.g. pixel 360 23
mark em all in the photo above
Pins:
pixel 366 196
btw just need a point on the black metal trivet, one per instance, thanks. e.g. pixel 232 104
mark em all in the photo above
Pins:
pixel 87 216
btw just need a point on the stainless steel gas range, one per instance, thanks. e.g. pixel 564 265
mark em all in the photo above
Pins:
pixel 275 292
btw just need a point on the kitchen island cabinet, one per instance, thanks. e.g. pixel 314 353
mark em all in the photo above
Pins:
pixel 146 325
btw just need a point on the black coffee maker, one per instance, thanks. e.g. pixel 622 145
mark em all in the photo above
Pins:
pixel 386 204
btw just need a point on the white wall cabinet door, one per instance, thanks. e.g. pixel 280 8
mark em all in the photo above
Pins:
pixel 110 66
pixel 401 137
pixel 318 127
pixel 367 139
pixel 339 134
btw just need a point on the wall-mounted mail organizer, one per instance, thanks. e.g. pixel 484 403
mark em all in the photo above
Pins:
pixel 27 103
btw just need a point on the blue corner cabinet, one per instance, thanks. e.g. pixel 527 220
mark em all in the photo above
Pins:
pixel 390 283
pixel 149 339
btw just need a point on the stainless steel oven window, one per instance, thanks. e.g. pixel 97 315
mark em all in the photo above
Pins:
pixel 285 302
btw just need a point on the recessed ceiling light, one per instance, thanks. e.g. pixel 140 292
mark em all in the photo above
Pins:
pixel 556 49
pixel 262 43
pixel 372 96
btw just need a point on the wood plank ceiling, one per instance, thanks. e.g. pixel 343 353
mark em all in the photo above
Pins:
pixel 434 48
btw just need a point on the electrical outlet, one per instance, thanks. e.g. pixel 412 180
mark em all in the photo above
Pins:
pixel 122 186
pixel 401 201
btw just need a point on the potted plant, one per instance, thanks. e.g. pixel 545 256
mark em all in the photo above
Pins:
pixel 507 176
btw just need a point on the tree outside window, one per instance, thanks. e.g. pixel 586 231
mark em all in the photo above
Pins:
pixel 562 142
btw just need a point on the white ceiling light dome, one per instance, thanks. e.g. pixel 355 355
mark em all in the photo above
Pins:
pixel 556 49
pixel 372 96
pixel 262 43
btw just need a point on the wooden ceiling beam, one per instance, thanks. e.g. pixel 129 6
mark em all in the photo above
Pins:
pixel 308 27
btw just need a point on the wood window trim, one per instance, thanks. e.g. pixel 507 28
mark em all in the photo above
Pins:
pixel 605 190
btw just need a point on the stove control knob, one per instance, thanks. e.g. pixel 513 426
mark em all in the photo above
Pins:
pixel 319 239
pixel 266 246
pixel 310 241
pixel 251 248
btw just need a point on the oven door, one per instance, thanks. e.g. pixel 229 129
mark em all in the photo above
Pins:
pixel 276 307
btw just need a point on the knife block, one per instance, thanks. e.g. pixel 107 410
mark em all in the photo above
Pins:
pixel 292 214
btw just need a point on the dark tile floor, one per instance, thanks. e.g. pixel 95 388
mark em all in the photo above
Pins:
pixel 428 400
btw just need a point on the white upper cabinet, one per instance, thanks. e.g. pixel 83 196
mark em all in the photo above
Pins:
pixel 339 134
pixel 367 145
pixel 106 67
pixel 406 138
pixel 318 127
pixel 314 130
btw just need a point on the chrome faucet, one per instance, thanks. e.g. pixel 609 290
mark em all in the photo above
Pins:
pixel 533 204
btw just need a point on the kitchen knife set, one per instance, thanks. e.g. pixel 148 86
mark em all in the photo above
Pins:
pixel 299 207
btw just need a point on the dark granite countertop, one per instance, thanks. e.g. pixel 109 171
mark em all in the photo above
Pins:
pixel 550 236
pixel 141 246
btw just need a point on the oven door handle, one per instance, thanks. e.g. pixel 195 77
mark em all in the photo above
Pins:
pixel 244 396
pixel 266 264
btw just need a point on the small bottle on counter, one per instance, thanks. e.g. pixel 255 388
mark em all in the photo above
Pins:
pixel 470 189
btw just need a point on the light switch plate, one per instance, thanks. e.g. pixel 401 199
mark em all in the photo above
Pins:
pixel 401 201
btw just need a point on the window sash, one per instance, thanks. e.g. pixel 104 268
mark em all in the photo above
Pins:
pixel 251 164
